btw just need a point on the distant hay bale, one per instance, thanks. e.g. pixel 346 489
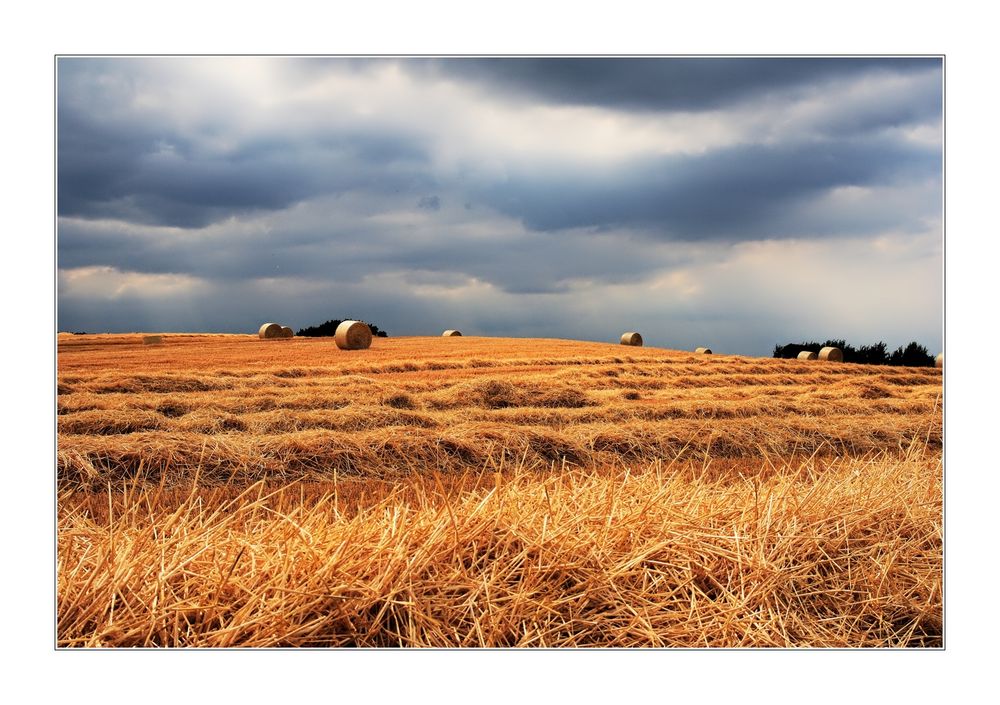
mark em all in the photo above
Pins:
pixel 831 354
pixel 152 339
pixel 287 332
pixel 632 338
pixel 939 360
pixel 806 355
pixel 353 335
pixel 703 351
pixel 451 333
pixel 269 331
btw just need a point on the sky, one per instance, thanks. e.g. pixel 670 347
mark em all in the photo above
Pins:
pixel 734 203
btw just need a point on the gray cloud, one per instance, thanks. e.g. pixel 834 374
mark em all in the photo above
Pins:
pixel 335 240
pixel 663 83
pixel 735 193
pixel 408 190
pixel 431 203
pixel 155 175
pixel 736 300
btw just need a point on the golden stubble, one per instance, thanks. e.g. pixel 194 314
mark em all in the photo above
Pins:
pixel 229 491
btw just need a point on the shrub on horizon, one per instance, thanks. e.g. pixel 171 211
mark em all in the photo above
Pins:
pixel 329 329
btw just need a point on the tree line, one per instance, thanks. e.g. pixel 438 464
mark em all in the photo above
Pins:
pixel 330 328
pixel 912 355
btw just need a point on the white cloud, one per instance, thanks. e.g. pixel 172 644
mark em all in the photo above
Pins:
pixel 102 282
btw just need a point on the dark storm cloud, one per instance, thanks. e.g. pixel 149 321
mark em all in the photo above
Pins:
pixel 194 189
pixel 429 203
pixel 663 83
pixel 117 163
pixel 225 256
pixel 914 102
pixel 521 263
pixel 512 261
pixel 154 174
pixel 737 193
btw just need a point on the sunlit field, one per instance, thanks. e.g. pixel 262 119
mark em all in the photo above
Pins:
pixel 222 490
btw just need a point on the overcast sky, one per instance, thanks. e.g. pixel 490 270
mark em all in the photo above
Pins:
pixel 733 203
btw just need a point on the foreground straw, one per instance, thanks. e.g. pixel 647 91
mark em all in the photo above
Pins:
pixel 841 553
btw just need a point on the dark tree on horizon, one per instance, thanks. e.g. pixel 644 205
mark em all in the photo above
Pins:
pixel 329 329
pixel 913 355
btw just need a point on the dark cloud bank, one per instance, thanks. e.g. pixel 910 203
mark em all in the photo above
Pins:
pixel 685 84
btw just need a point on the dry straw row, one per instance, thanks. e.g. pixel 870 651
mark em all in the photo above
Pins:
pixel 821 554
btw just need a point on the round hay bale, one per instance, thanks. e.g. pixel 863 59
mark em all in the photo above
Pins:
pixel 703 351
pixel 451 333
pixel 152 339
pixel 269 331
pixel 939 360
pixel 806 355
pixel 831 354
pixel 353 335
pixel 287 332
pixel 632 338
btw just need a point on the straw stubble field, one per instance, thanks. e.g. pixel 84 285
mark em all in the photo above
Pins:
pixel 230 491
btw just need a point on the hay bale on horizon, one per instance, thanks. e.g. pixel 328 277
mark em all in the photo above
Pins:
pixel 287 332
pixel 703 351
pixel 806 355
pixel 451 333
pixel 353 335
pixel 632 338
pixel 831 354
pixel 152 339
pixel 939 360
pixel 269 331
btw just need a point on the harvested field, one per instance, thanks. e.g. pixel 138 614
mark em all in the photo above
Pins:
pixel 224 491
